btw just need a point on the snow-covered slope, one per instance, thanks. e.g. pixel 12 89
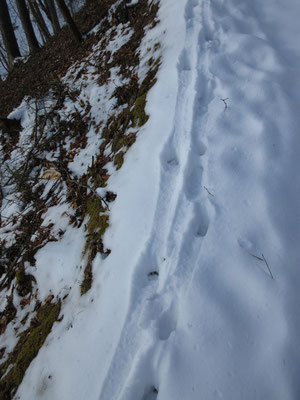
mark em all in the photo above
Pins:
pixel 199 296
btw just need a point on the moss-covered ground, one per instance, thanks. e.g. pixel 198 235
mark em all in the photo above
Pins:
pixel 30 341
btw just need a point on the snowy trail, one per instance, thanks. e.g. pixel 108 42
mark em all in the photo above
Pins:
pixel 213 323
pixel 152 315
pixel 181 221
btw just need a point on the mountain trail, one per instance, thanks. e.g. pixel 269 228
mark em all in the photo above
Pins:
pixel 183 213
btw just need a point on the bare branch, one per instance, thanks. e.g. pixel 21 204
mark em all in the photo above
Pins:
pixel 208 191
pixel 225 103
pixel 263 259
pixel 267 266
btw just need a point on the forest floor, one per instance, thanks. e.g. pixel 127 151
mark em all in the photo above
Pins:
pixel 38 73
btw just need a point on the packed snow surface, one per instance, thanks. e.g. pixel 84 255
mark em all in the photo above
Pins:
pixel 199 298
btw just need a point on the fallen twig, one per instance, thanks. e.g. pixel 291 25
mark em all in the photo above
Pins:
pixel 208 191
pixel 267 266
pixel 263 259
pixel 225 104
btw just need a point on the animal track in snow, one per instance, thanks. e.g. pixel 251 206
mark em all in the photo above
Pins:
pixel 150 394
pixel 193 182
pixel 189 10
pixel 201 148
pixel 153 276
pixel 167 323
pixel 203 221
pixel 148 314
pixel 184 61
pixel 172 162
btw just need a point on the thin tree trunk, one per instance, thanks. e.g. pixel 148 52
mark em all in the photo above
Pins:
pixel 53 15
pixel 33 44
pixel 3 59
pixel 69 20
pixel 49 8
pixel 8 34
pixel 71 7
pixel 43 6
pixel 41 20
pixel 37 15
pixel 43 37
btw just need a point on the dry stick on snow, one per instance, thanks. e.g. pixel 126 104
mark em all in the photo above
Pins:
pixel 113 81
pixel 225 104
pixel 208 191
pixel 267 266
pixel 263 259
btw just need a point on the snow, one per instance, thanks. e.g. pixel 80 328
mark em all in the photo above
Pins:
pixel 57 263
pixel 208 205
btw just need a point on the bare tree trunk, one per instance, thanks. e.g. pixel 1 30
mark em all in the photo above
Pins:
pixel 27 26
pixel 8 34
pixel 71 7
pixel 69 20
pixel 43 37
pixel 3 59
pixel 53 15
pixel 43 6
pixel 49 8
pixel 37 15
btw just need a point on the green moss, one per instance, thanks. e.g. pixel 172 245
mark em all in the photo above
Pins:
pixel 123 141
pixel 85 286
pixel 20 277
pixel 96 226
pixel 149 79
pixel 100 181
pixel 27 348
pixel 87 281
pixel 139 115
pixel 98 176
pixel 97 221
pixel 119 159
